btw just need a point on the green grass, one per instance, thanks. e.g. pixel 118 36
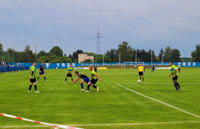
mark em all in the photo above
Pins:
pixel 65 104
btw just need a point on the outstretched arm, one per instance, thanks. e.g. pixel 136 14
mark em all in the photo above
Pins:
pixel 76 80
pixel 98 77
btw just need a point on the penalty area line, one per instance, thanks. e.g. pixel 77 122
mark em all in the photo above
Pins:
pixel 158 101
pixel 112 124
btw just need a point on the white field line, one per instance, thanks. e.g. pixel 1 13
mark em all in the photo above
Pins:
pixel 155 83
pixel 135 124
pixel 111 124
pixel 158 101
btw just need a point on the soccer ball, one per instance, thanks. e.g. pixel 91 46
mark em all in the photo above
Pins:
pixel 138 81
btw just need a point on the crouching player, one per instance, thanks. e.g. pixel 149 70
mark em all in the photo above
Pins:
pixel 174 76
pixel 84 79
pixel 33 80
pixel 69 73
pixel 93 80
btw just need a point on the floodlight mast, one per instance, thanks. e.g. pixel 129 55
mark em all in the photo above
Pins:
pixel 98 47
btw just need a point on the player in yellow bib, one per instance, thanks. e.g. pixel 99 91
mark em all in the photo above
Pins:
pixel 33 80
pixel 174 75
pixel 70 69
pixel 141 72
pixel 93 80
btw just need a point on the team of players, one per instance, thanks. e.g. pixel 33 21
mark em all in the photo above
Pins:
pixel 94 76
pixel 89 81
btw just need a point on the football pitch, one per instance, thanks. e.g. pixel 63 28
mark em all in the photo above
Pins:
pixel 120 104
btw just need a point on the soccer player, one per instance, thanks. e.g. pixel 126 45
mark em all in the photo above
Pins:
pixel 69 72
pixel 153 68
pixel 141 72
pixel 33 80
pixel 84 79
pixel 41 72
pixel 173 74
pixel 93 80
pixel 95 68
pixel 179 69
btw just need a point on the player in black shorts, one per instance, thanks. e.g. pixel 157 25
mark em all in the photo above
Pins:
pixel 41 72
pixel 174 75
pixel 69 73
pixel 93 80
pixel 33 80
pixel 84 79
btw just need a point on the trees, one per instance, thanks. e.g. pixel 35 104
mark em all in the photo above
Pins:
pixel 126 52
pixel 1 51
pixel 161 55
pixel 56 51
pixel 167 54
pixel 175 55
pixel 10 55
pixel 196 54
pixel 28 55
pixel 112 54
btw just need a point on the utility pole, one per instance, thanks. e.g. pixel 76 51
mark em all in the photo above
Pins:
pixel 119 58
pixel 151 57
pixel 103 57
pixel 35 52
pixel 135 57
pixel 98 47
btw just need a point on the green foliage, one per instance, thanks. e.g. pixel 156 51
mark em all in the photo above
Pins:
pixel 56 51
pixel 175 55
pixel 124 53
pixel 171 55
pixel 1 51
pixel 196 54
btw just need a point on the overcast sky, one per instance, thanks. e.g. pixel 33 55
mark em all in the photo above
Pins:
pixel 72 24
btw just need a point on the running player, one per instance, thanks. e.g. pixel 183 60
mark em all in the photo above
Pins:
pixel 33 80
pixel 141 72
pixel 84 79
pixel 41 72
pixel 93 80
pixel 69 72
pixel 173 74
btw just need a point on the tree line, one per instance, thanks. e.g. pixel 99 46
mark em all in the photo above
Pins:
pixel 124 53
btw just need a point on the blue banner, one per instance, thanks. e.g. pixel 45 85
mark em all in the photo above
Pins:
pixel 65 65
pixel 12 68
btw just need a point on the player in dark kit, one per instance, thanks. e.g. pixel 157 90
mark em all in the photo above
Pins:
pixel 173 74
pixel 41 72
pixel 84 79
pixel 93 80
pixel 33 80
pixel 95 69
pixel 69 73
